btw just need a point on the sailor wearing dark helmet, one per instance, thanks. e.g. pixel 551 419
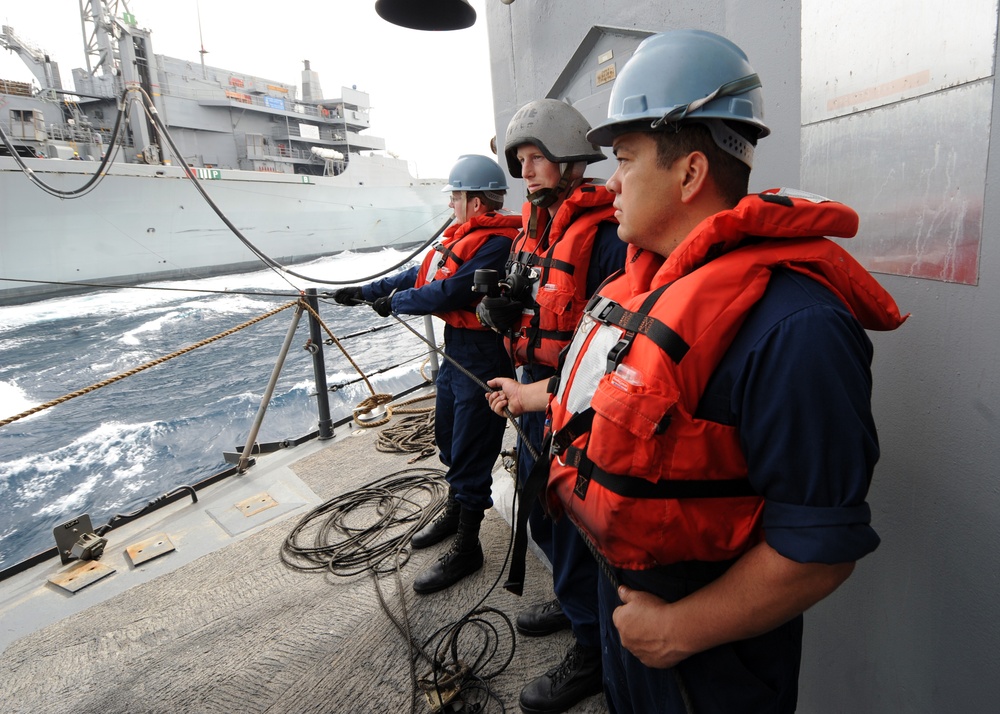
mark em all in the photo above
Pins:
pixel 568 246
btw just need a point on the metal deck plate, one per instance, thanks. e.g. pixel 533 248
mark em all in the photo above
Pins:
pixel 251 512
pixel 150 548
pixel 255 504
pixel 81 575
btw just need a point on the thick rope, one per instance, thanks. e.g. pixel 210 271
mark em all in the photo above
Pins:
pixel 402 407
pixel 136 370
pixel 377 400
pixel 414 434
pixel 365 406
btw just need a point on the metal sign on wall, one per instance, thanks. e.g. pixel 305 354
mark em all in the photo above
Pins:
pixel 896 112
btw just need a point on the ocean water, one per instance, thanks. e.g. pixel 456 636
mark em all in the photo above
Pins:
pixel 115 449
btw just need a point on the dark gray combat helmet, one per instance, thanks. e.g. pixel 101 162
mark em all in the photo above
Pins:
pixel 558 129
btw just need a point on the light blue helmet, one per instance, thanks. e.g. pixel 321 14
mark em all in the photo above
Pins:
pixel 473 172
pixel 683 76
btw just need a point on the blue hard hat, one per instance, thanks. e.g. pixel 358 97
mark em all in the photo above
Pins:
pixel 473 172
pixel 680 76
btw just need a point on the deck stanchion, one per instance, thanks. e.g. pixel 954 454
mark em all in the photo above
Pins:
pixel 319 367
pixel 269 391
pixel 429 331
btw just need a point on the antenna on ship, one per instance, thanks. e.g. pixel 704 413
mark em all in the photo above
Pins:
pixel 201 40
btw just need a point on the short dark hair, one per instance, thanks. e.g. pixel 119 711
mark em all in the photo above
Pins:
pixel 490 203
pixel 731 176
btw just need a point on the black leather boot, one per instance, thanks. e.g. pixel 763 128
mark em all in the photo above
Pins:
pixel 443 525
pixel 574 679
pixel 542 619
pixel 463 558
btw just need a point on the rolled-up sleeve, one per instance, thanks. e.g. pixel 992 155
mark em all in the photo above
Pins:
pixel 817 534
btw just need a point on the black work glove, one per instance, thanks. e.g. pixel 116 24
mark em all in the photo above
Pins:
pixel 499 313
pixel 383 306
pixel 348 296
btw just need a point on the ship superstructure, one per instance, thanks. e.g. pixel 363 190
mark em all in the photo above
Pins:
pixel 296 171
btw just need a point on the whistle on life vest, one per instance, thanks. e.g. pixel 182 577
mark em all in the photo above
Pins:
pixel 627 378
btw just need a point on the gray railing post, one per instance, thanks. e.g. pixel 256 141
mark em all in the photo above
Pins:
pixel 268 392
pixel 429 331
pixel 319 368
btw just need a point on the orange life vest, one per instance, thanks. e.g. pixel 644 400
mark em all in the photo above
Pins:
pixel 460 243
pixel 646 482
pixel 557 259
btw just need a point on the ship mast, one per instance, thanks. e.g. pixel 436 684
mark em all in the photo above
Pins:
pixel 100 35
pixel 119 55
pixel 201 40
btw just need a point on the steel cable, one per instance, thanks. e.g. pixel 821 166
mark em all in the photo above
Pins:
pixel 335 536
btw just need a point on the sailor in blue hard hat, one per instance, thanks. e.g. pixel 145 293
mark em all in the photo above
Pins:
pixel 711 421
pixel 467 433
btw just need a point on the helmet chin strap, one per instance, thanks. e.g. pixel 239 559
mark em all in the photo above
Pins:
pixel 545 197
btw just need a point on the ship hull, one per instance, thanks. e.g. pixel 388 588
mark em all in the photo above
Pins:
pixel 143 223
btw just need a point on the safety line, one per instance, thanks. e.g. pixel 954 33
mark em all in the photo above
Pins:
pixel 147 365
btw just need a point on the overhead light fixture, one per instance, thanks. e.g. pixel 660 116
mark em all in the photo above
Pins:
pixel 427 14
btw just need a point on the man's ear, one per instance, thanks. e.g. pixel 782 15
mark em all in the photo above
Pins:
pixel 695 176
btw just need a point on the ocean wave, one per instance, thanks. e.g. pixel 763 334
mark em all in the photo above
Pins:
pixel 14 400
pixel 168 425
pixel 12 345
pixel 231 304
pixel 123 361
pixel 115 452
pixel 156 325
pixel 81 307
pixel 123 301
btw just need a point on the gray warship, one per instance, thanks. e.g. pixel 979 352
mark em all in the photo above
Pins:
pixel 296 173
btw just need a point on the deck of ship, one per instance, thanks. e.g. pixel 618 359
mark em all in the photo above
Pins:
pixel 221 625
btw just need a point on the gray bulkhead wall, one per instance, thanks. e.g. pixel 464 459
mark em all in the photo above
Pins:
pixel 917 626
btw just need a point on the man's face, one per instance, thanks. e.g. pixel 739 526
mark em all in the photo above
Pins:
pixel 647 196
pixel 537 171
pixel 458 202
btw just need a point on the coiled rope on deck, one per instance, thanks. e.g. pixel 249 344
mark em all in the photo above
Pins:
pixel 413 433
pixel 359 531
pixel 147 365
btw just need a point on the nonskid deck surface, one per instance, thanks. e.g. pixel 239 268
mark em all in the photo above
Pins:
pixel 235 630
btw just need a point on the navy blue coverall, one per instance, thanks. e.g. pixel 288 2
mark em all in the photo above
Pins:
pixel 574 571
pixel 469 435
